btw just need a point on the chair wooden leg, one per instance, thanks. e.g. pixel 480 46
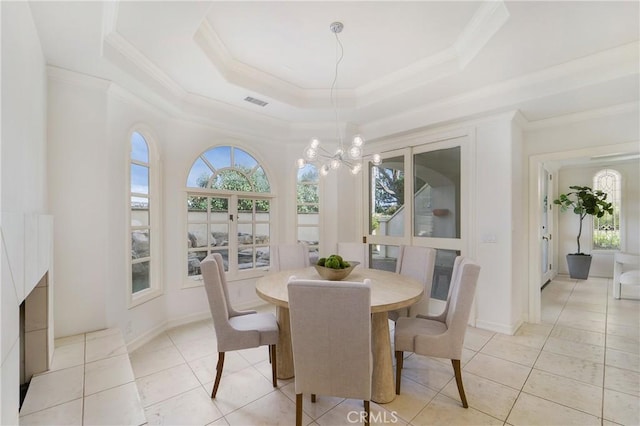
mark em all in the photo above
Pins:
pixel 458 373
pixel 298 409
pixel 313 397
pixel 399 364
pixel 269 350
pixel 274 365
pixel 367 412
pixel 218 374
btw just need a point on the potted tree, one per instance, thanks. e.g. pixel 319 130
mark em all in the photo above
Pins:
pixel 583 201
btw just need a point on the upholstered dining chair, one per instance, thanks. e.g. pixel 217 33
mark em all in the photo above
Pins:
pixel 235 329
pixel 289 256
pixel 626 271
pixel 441 336
pixel 355 251
pixel 331 340
pixel 418 263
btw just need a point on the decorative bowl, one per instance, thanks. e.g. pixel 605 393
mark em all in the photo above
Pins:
pixel 336 274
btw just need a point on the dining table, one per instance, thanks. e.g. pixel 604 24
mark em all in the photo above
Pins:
pixel 389 291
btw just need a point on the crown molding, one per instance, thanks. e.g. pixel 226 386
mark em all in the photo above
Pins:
pixel 134 57
pixel 583 72
pixel 487 20
pixel 594 114
pixel 77 79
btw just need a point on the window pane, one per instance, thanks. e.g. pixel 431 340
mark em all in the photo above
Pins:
pixel 219 235
pixel 245 258
pixel 262 233
pixel 219 157
pixel 139 211
pixel 199 174
pixel 245 234
pixel 139 179
pixel 383 257
pixel 197 235
pixel 437 193
pixel 263 207
pixel 260 181
pixel 231 180
pixel 193 262
pixel 245 210
pixel 196 204
pixel 139 148
pixel 387 212
pixel 242 160
pixel 221 206
pixel 442 273
pixel 309 235
pixel 308 193
pixel 606 229
pixel 140 273
pixel 308 219
pixel 309 173
pixel 139 244
pixel 262 256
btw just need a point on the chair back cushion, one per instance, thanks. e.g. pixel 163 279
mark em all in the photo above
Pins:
pixel 215 285
pixel 331 337
pixel 289 256
pixel 461 298
pixel 355 251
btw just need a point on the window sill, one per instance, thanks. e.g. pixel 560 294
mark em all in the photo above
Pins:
pixel 144 296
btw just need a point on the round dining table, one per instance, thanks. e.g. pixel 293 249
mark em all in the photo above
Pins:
pixel 389 291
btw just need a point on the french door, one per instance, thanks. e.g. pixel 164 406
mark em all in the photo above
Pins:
pixel 416 198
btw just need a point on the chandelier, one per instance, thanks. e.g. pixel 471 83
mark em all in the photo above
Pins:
pixel 324 159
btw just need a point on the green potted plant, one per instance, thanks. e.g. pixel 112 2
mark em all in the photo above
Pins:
pixel 583 201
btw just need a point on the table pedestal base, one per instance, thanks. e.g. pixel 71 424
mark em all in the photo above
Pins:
pixel 284 352
pixel 382 385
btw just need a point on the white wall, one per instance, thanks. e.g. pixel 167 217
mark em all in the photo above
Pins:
pixel 24 225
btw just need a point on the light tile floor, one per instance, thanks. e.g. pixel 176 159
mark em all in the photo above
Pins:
pixel 581 365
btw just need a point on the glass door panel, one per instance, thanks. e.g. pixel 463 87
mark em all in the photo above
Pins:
pixel 387 213
pixel 436 193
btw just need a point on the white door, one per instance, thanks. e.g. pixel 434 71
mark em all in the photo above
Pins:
pixel 546 227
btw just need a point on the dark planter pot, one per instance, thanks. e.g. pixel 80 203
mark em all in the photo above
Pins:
pixel 579 265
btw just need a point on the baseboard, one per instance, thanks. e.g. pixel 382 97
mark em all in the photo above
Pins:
pixel 151 334
pixel 499 327
pixel 146 337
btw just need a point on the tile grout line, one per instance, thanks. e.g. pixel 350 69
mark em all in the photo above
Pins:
pixel 520 392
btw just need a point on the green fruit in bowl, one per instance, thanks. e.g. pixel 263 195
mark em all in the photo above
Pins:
pixel 334 262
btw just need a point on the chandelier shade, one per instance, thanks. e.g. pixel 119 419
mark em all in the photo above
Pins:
pixel 326 160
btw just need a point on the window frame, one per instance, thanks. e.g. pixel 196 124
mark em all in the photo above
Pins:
pixel 618 207
pixel 300 226
pixel 233 273
pixel 156 287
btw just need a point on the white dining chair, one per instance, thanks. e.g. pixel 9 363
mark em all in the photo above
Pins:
pixel 418 263
pixel 358 252
pixel 289 256
pixel 235 330
pixel 626 271
pixel 441 336
pixel 331 340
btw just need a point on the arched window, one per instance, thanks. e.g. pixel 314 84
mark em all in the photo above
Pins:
pixel 144 276
pixel 308 209
pixel 606 230
pixel 228 211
